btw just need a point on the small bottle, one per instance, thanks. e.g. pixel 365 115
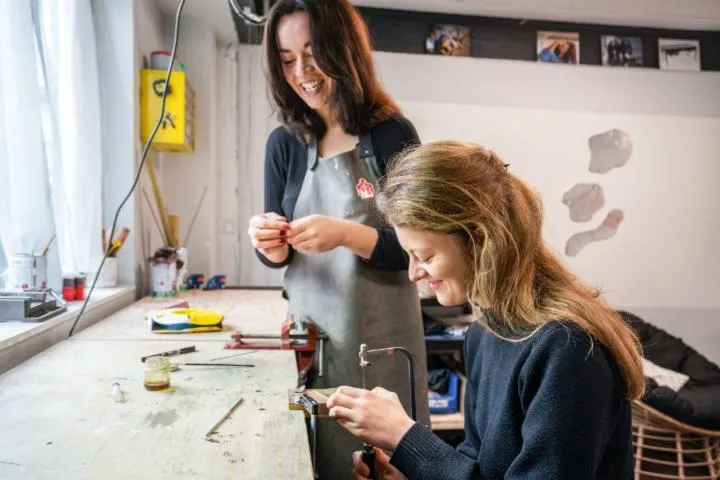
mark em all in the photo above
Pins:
pixel 80 287
pixel 68 291
pixel 157 373
pixel 117 394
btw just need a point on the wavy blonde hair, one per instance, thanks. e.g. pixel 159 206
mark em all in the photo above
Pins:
pixel 460 188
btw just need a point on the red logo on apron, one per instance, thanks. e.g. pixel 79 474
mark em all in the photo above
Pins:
pixel 365 189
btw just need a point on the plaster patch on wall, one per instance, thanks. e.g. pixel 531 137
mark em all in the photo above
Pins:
pixel 608 150
pixel 606 230
pixel 584 200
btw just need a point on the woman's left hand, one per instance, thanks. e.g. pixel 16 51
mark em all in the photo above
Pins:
pixel 376 417
pixel 316 234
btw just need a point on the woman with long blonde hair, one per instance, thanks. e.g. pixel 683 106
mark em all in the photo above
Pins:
pixel 551 369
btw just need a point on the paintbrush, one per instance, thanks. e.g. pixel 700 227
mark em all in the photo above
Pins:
pixel 47 248
pixel 171 353
pixel 217 364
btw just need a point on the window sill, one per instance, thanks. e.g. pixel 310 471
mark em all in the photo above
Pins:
pixel 21 340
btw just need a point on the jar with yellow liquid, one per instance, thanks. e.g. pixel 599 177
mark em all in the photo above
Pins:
pixel 157 373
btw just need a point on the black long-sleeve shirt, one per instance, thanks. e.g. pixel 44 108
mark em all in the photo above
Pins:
pixel 286 165
pixel 545 408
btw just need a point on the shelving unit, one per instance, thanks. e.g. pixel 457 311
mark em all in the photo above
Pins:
pixel 449 423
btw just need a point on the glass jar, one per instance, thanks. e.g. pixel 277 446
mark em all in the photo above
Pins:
pixel 157 373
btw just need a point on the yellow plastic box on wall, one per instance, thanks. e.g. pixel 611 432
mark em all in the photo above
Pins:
pixel 177 130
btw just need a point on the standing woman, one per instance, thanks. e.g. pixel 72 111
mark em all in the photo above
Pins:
pixel 347 273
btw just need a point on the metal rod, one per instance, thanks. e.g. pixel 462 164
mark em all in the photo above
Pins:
pixel 321 356
pixel 171 353
pixel 218 364
pixel 313 430
pixel 230 356
pixel 311 406
pixel 271 336
pixel 225 417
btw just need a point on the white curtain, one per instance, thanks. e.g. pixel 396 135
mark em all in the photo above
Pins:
pixel 71 72
pixel 50 155
pixel 26 222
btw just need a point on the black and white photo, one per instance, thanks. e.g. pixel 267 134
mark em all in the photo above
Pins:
pixel 679 54
pixel 622 51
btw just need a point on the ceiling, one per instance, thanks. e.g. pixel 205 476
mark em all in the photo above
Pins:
pixel 675 14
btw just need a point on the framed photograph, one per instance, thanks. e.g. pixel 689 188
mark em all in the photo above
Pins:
pixel 678 54
pixel 453 40
pixel 622 51
pixel 558 47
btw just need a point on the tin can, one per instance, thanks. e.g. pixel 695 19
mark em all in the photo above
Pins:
pixel 26 271
pixel 108 274
pixel 163 277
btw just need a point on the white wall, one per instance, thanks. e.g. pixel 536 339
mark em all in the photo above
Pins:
pixel 246 121
pixel 149 26
pixel 127 31
pixel 662 262
pixel 538 117
pixel 113 28
pixel 185 175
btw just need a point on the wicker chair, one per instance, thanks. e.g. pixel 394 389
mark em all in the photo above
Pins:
pixel 668 449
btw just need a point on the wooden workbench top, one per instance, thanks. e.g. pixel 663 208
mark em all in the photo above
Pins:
pixel 251 311
pixel 60 421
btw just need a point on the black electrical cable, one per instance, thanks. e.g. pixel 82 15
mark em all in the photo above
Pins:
pixel 142 162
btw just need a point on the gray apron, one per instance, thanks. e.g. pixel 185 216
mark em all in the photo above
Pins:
pixel 353 302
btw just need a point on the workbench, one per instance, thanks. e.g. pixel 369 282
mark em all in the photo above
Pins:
pixel 60 421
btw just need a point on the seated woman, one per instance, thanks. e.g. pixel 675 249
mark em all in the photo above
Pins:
pixel 551 369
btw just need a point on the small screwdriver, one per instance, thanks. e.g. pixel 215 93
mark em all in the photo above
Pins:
pixel 368 458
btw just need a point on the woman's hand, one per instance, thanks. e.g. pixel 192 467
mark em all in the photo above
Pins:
pixel 376 417
pixel 317 234
pixel 382 465
pixel 267 233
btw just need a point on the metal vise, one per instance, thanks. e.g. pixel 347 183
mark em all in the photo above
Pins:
pixel 303 336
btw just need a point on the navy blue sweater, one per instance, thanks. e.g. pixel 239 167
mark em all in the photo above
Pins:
pixel 544 408
pixel 286 165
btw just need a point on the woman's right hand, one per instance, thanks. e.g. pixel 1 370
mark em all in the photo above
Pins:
pixel 382 465
pixel 267 233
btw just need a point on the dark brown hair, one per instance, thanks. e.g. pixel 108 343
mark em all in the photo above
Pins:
pixel 342 50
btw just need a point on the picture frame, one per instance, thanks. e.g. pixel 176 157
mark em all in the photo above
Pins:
pixel 621 51
pixel 679 54
pixel 558 47
pixel 448 40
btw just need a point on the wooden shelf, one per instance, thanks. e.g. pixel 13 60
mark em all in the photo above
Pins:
pixel 444 343
pixel 447 421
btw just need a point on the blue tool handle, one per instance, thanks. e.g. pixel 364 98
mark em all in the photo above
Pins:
pixel 368 458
